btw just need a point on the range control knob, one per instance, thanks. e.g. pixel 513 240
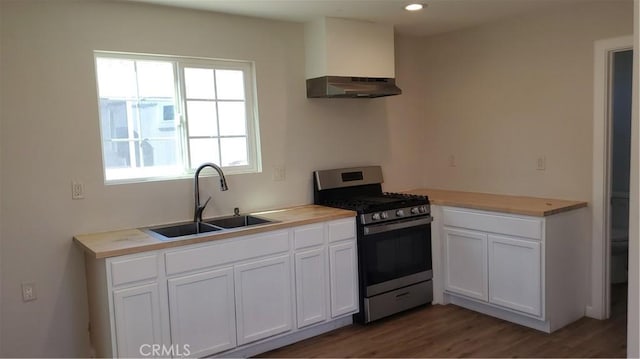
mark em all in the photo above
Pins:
pixel 384 215
pixel 375 216
pixel 400 213
pixel 415 210
pixel 423 209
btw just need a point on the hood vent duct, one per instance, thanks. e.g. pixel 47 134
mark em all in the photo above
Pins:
pixel 348 58
pixel 351 87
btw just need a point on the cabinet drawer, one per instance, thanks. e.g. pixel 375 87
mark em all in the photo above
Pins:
pixel 308 236
pixel 231 250
pixel 493 222
pixel 131 270
pixel 342 229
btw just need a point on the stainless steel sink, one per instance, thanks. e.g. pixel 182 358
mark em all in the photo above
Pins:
pixel 185 229
pixel 176 231
pixel 237 221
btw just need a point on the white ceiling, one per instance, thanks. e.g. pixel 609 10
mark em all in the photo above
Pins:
pixel 439 15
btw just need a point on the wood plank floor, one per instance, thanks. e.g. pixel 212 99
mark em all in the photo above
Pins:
pixel 451 331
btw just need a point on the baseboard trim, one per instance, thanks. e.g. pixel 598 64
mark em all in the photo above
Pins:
pixel 526 321
pixel 594 313
pixel 272 343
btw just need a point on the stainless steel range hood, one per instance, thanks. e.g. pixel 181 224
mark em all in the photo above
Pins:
pixel 351 87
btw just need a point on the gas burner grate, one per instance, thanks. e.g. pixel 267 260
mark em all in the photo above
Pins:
pixel 397 195
pixel 377 202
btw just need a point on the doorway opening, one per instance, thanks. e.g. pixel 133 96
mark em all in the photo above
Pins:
pixel 619 167
pixel 613 68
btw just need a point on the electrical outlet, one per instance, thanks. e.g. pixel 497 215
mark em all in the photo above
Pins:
pixel 452 161
pixel 542 163
pixel 279 173
pixel 77 190
pixel 29 292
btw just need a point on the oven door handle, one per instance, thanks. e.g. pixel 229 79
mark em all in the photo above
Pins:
pixel 386 227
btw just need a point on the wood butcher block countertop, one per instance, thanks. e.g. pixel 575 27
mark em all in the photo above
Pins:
pixel 530 206
pixel 116 243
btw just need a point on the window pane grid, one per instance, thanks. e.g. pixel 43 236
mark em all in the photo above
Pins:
pixel 205 100
pixel 238 124
pixel 236 136
pixel 116 140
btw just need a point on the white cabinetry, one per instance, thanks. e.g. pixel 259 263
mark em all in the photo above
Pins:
pixel 499 269
pixel 202 311
pixel 239 296
pixel 230 292
pixel 343 268
pixel 263 298
pixel 515 274
pixel 311 279
pixel 344 278
pixel 465 255
pixel 311 274
pixel 137 300
pixel 529 270
pixel 137 318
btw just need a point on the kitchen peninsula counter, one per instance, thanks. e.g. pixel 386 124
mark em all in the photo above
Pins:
pixel 129 241
pixel 530 206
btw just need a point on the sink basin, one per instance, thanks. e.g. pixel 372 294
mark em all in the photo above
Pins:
pixel 180 230
pixel 211 225
pixel 237 221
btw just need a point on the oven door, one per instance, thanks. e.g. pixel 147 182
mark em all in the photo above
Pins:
pixel 395 255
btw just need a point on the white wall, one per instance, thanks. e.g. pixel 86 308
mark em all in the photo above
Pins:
pixel 455 87
pixel 500 95
pixel 633 315
pixel 1 269
pixel 50 136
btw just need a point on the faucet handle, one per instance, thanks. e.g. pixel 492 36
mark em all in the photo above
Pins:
pixel 197 216
pixel 205 203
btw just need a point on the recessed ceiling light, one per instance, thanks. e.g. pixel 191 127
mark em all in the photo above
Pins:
pixel 414 7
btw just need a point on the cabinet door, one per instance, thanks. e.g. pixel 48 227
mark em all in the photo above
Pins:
pixel 137 319
pixel 515 274
pixel 263 298
pixel 465 263
pixel 343 269
pixel 202 312
pixel 311 279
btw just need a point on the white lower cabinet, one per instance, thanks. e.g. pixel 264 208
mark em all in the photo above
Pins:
pixel 501 269
pixel 525 269
pixel 326 272
pixel 202 311
pixel 498 269
pixel 311 292
pixel 263 298
pixel 137 315
pixel 465 257
pixel 343 268
pixel 515 274
pixel 231 295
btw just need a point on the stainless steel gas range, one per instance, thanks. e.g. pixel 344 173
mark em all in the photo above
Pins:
pixel 394 239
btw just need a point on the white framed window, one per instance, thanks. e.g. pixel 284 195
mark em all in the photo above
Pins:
pixel 161 116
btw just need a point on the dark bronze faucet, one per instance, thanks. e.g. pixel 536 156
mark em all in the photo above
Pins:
pixel 197 215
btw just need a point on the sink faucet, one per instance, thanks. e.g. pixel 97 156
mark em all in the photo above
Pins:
pixel 197 215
